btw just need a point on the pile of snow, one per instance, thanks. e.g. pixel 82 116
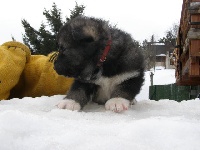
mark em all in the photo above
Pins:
pixel 37 124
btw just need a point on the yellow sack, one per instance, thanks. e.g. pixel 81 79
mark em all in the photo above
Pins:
pixel 23 74
pixel 13 57
pixel 39 78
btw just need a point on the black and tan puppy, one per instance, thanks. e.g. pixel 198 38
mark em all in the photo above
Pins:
pixel 106 63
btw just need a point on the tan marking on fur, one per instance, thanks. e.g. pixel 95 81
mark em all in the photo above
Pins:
pixel 90 31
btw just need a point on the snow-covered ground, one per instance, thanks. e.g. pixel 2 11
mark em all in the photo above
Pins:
pixel 36 124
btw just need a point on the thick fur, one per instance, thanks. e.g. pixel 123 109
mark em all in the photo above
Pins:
pixel 116 83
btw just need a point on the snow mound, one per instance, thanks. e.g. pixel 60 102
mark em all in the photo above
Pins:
pixel 37 124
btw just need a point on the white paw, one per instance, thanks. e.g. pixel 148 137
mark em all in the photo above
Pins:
pixel 117 104
pixel 69 104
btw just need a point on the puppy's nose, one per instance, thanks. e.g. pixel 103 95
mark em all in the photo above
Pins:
pixel 61 49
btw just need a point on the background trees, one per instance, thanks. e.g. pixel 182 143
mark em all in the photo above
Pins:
pixel 169 40
pixel 170 36
pixel 43 40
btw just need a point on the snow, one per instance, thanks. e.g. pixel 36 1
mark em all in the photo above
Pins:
pixel 37 124
pixel 161 55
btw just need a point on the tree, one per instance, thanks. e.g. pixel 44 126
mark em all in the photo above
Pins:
pixel 170 36
pixel 152 39
pixel 43 40
pixel 79 9
pixel 149 54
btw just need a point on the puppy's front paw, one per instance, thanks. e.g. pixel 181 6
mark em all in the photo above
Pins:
pixel 69 104
pixel 117 104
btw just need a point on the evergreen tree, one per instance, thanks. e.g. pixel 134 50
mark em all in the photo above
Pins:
pixel 148 52
pixel 78 10
pixel 43 41
pixel 170 36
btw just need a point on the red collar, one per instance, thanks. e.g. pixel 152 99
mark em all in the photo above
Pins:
pixel 105 52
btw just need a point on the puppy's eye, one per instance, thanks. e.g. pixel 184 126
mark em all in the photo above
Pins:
pixel 87 40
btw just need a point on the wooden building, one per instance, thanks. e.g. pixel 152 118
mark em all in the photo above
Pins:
pixel 162 54
pixel 187 51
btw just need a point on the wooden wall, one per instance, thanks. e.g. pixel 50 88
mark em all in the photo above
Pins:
pixel 187 51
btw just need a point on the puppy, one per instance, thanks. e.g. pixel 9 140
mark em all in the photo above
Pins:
pixel 106 63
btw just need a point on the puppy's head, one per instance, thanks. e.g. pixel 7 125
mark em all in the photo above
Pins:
pixel 80 41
